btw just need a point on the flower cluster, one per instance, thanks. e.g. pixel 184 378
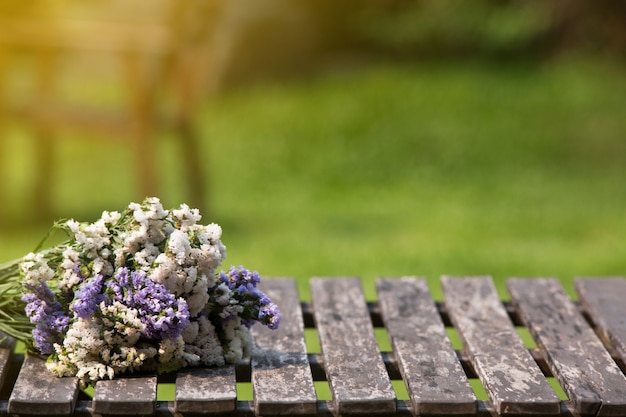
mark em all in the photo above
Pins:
pixel 139 290
pixel 237 295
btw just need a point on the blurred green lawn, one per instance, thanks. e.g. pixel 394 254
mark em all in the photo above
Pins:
pixel 431 169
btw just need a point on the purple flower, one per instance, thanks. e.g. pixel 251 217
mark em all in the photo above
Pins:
pixel 164 315
pixel 43 309
pixel 88 298
pixel 238 277
pixel 257 306
pixel 77 270
pixel 270 316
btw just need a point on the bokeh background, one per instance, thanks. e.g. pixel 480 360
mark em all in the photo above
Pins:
pixel 370 138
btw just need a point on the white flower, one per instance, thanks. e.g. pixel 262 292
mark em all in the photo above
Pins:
pixel 110 218
pixel 73 225
pixel 178 245
pixel 71 262
pixel 163 269
pixel 171 350
pixel 93 371
pixel 134 239
pixel 238 339
pixel 206 345
pixel 90 237
pixel 84 336
pixel 213 231
pixel 79 354
pixel 129 358
pixel 103 267
pixel 35 269
pixel 146 257
pixel 197 300
pixel 125 329
pixel 232 309
pixel 154 209
pixel 190 333
pixel 224 294
pixel 186 217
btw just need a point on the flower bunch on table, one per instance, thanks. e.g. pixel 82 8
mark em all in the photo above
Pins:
pixel 133 291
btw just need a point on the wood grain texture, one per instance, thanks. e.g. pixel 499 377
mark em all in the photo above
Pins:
pixel 604 299
pixel 206 390
pixel 586 371
pixel 6 349
pixel 508 372
pixel 281 376
pixel 38 392
pixel 126 396
pixel 429 366
pixel 356 372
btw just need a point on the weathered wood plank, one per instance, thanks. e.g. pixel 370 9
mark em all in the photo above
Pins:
pixel 126 396
pixel 7 345
pixel 206 390
pixel 603 299
pixel 38 392
pixel 282 382
pixel 356 373
pixel 429 366
pixel 586 371
pixel 507 370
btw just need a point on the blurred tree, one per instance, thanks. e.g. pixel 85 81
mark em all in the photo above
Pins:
pixel 278 38
pixel 598 25
pixel 458 28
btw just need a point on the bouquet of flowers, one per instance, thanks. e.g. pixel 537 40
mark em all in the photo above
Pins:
pixel 136 290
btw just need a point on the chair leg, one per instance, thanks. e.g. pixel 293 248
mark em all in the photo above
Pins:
pixel 3 170
pixel 42 198
pixel 145 156
pixel 186 85
pixel 195 175
pixel 141 90
pixel 43 180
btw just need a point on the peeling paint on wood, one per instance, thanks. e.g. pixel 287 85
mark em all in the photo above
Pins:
pixel 126 396
pixel 281 376
pixel 604 300
pixel 429 366
pixel 6 349
pixel 507 370
pixel 38 392
pixel 206 390
pixel 576 356
pixel 355 370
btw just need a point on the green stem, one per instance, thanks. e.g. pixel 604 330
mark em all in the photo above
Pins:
pixel 13 320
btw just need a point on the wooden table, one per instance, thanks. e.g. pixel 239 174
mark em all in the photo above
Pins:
pixel 581 343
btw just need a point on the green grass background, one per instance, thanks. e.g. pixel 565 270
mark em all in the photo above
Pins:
pixel 403 169
pixel 398 169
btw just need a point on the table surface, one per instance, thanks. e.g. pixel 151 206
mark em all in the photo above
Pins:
pixel 577 346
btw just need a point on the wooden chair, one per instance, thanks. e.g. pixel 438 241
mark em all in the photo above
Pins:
pixel 161 46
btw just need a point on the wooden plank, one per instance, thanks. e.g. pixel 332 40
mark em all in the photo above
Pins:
pixel 507 370
pixel 355 370
pixel 206 390
pixel 125 396
pixel 7 345
pixel 585 369
pixel 38 392
pixel 282 381
pixel 429 366
pixel 603 299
